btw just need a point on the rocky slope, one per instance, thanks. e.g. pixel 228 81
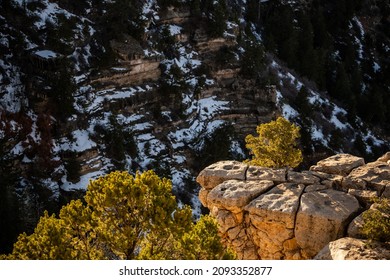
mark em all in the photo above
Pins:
pixel 90 88
pixel 268 213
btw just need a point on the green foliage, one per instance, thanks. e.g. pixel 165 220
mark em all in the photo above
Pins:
pixel 281 33
pixel 253 60
pixel 323 42
pixel 49 241
pixel 124 17
pixel 118 140
pixel 306 63
pixel 73 167
pixel 115 143
pixel 203 242
pixel 125 217
pixel 216 147
pixel 303 104
pixel 376 224
pixel 275 146
pixel 224 56
pixel 216 14
pixel 167 43
pixel 126 208
pixel 337 139
pixel 61 90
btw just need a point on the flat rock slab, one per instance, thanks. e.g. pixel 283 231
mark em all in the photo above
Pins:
pixel 266 213
pixel 353 249
pixel 322 217
pixel 302 178
pixel 215 174
pixel 340 164
pixel 272 218
pixel 257 173
pixel 233 195
pixel 279 204
pixel 375 174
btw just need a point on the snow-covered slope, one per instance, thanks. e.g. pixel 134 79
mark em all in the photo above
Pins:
pixel 169 102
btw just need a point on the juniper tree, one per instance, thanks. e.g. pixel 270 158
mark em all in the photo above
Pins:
pixel 123 217
pixel 276 145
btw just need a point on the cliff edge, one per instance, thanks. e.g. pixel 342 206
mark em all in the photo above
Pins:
pixel 266 213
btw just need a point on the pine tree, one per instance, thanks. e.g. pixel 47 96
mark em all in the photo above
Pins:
pixel 253 60
pixel 115 143
pixel 61 90
pixel 203 242
pixel 342 87
pixel 217 19
pixel 305 51
pixel 124 217
pixel 280 27
pixel 336 141
pixel 302 103
pixel 276 145
pixel 195 8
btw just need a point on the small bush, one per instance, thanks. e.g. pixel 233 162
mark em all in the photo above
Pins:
pixel 276 145
pixel 377 221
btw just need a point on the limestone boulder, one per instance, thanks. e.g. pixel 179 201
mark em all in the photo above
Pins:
pixel 340 164
pixel 239 239
pixel 375 174
pixel 278 204
pixel 348 248
pixel 258 173
pixel 233 195
pixel 219 172
pixel 316 188
pixel 365 197
pixel 352 183
pixel 266 213
pixel 272 219
pixel 322 217
pixel 329 180
pixel 302 178
pixel 226 219
pixel 385 158
pixel 203 193
pixel 355 228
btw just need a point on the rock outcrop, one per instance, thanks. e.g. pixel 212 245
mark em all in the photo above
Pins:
pixel 267 213
pixel 348 248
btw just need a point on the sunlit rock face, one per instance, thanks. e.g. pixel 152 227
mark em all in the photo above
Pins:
pixel 267 213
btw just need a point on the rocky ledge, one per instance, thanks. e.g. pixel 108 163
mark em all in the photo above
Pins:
pixel 266 213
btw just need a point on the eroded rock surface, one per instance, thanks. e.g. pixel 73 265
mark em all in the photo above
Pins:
pixel 266 213
pixel 322 217
pixel 348 248
pixel 340 164
pixel 219 172
pixel 272 219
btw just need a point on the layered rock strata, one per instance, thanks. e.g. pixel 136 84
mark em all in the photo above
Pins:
pixel 266 213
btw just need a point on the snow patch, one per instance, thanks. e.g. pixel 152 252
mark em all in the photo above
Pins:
pixel 80 142
pixel 47 54
pixel 84 181
pixel 174 29
pixel 317 134
pixel 289 112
